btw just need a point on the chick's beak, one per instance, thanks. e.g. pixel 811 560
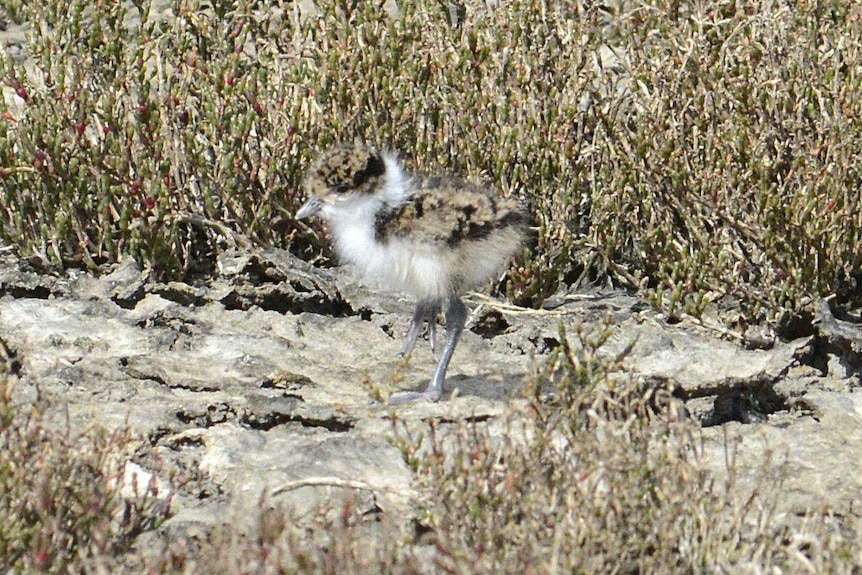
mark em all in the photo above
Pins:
pixel 309 208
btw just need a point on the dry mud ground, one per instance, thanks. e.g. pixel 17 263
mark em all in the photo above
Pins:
pixel 257 381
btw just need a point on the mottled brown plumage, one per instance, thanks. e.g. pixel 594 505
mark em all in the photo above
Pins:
pixel 448 210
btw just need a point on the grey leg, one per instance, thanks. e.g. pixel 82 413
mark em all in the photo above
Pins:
pixel 425 310
pixel 456 318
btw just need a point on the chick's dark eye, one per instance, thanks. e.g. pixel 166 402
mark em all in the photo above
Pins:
pixel 341 189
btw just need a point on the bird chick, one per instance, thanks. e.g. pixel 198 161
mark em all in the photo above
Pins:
pixel 433 237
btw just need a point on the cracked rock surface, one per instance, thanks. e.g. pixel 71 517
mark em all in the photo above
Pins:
pixel 259 382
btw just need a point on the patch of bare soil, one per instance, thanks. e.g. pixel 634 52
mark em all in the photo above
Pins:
pixel 259 381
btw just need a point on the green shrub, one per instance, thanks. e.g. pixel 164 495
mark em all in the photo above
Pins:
pixel 61 506
pixel 732 171
pixel 134 137
pixel 702 152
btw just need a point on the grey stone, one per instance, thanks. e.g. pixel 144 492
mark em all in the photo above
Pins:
pixel 262 402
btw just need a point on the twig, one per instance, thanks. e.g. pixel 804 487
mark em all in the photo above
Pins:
pixel 512 309
pixel 343 484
